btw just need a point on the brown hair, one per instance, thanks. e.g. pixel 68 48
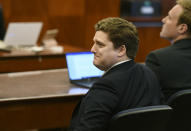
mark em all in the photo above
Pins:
pixel 185 16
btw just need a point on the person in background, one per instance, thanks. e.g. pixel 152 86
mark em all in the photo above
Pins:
pixel 124 85
pixel 2 25
pixel 172 64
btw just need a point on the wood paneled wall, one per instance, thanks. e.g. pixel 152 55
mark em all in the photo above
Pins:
pixel 149 40
pixel 75 20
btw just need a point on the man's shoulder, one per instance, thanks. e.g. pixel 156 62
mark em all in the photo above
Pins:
pixel 144 69
pixel 129 71
pixel 162 50
pixel 161 53
pixel 120 71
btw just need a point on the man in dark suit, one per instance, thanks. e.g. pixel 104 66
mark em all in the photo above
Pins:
pixel 172 64
pixel 124 84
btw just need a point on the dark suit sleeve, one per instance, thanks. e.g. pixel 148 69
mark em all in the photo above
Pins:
pixel 153 63
pixel 98 107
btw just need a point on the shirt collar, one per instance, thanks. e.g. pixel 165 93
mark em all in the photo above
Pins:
pixel 118 63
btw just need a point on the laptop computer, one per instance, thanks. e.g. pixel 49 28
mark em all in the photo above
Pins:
pixel 22 33
pixel 81 70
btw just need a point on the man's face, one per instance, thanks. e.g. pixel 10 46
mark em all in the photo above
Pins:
pixel 105 55
pixel 170 27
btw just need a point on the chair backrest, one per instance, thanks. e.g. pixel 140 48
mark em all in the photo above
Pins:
pixel 150 118
pixel 181 116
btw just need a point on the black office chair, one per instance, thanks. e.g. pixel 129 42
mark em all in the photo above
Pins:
pixel 150 118
pixel 181 115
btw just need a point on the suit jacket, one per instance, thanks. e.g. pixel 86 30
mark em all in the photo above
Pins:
pixel 124 86
pixel 172 66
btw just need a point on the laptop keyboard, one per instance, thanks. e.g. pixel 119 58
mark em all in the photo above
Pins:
pixel 86 83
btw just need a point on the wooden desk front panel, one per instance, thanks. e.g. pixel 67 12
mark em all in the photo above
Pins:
pixel 29 63
pixel 38 113
pixel 19 62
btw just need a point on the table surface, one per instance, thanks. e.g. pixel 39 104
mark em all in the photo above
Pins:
pixel 38 84
pixel 21 53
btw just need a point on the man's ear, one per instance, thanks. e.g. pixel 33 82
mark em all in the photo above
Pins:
pixel 182 28
pixel 122 50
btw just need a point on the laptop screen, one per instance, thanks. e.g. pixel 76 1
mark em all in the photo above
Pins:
pixel 80 66
pixel 22 33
